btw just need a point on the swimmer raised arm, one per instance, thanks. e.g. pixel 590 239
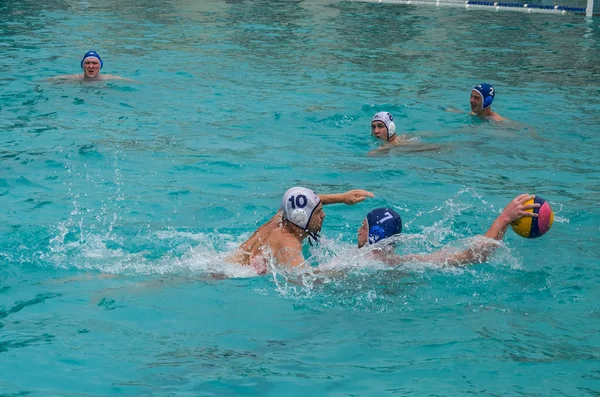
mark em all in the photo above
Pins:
pixel 386 225
pixel 350 197
pixel 481 249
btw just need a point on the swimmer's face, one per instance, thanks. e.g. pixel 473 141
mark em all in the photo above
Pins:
pixel 91 67
pixel 363 234
pixel 476 102
pixel 316 220
pixel 379 130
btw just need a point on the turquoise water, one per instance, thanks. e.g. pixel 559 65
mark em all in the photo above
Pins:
pixel 120 199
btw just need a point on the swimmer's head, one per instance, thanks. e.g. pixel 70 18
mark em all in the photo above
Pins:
pixel 302 208
pixel 382 126
pixel 482 97
pixel 91 63
pixel 379 224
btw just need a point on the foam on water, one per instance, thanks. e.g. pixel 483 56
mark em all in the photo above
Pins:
pixel 193 254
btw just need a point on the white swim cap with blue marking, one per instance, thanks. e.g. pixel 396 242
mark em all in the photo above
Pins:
pixel 387 119
pixel 298 205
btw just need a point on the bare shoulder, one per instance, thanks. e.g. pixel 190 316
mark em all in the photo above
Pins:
pixel 286 249
pixel 280 239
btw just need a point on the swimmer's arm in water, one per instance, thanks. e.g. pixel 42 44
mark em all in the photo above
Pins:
pixel 65 76
pixel 350 197
pixel 481 250
pixel 81 77
pixel 406 148
pixel 493 117
pixel 115 77
pixel 454 110
pixel 385 149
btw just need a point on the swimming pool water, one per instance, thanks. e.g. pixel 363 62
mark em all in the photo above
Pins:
pixel 121 199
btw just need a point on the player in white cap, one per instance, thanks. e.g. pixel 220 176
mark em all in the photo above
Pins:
pixel 384 128
pixel 299 217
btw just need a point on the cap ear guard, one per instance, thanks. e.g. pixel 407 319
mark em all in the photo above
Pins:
pixel 487 93
pixel 391 126
pixel 299 218
pixel 487 102
pixel 391 130
pixel 376 233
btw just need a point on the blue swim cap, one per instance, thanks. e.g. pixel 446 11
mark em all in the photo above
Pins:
pixel 383 223
pixel 487 93
pixel 92 54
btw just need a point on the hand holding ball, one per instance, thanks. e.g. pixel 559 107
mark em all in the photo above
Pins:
pixel 532 227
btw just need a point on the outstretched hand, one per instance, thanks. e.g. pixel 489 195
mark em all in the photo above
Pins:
pixel 517 209
pixel 352 197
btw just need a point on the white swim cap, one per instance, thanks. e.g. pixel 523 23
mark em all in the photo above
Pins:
pixel 388 120
pixel 298 205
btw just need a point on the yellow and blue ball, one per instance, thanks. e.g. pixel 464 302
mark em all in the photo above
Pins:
pixel 530 227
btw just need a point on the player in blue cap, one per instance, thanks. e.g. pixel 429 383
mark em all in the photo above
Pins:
pixel 482 96
pixel 91 63
pixel 383 223
pixel 379 224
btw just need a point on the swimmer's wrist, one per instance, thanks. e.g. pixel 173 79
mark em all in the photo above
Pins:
pixel 504 219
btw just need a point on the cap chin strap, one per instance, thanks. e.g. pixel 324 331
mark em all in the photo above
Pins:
pixel 313 236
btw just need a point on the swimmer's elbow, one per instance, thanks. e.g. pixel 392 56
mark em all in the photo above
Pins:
pixel 474 256
pixel 464 259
